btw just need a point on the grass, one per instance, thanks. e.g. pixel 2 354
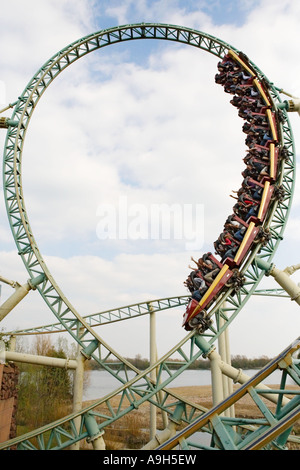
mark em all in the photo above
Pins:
pixel 132 430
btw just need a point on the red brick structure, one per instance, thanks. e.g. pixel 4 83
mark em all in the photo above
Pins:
pixel 9 374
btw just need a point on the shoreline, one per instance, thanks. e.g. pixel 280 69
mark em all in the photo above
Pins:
pixel 202 395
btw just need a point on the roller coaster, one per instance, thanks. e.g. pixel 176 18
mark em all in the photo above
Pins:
pixel 219 286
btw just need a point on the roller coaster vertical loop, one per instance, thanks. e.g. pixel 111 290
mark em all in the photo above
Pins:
pixel 61 307
pixel 24 108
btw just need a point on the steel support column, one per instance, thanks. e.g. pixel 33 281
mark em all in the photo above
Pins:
pixel 18 295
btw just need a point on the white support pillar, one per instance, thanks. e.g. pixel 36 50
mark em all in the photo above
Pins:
pixel 230 381
pixel 153 375
pixel 95 436
pixel 78 393
pixel 238 376
pixel 14 299
pixel 19 294
pixel 223 355
pixel 283 278
pixel 12 343
pixel 291 105
pixel 153 359
pixel 216 378
pixel 40 360
pixel 224 351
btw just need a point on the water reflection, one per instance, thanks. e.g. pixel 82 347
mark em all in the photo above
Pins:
pixel 102 382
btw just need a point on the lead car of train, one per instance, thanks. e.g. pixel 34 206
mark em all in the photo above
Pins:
pixel 244 228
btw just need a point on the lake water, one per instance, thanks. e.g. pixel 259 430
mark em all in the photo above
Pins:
pixel 102 382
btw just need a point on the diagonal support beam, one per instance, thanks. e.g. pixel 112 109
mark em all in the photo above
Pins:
pixel 282 277
pixel 18 295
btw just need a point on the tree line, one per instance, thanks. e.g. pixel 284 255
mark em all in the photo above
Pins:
pixel 45 393
pixel 238 361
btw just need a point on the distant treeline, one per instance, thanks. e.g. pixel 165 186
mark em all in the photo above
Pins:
pixel 241 362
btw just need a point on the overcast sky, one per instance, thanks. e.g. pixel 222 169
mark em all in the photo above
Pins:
pixel 126 130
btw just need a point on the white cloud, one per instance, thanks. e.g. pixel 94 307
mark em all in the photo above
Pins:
pixel 108 137
pixel 168 11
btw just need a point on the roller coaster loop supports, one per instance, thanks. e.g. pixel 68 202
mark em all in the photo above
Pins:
pixel 220 367
pixel 19 294
pixel 90 348
pixel 40 360
pixel 282 277
pixel 5 123
pixel 269 431
pixel 292 105
pixel 95 436
pixel 169 431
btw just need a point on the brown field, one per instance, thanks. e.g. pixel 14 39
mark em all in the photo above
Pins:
pixel 131 432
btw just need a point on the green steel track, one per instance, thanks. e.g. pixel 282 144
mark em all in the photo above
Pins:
pixel 266 430
pixel 140 388
pixel 130 311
